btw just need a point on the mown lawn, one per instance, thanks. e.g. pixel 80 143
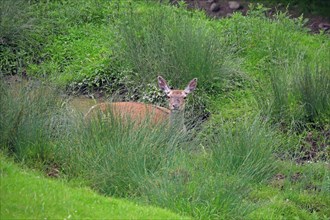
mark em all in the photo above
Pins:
pixel 27 194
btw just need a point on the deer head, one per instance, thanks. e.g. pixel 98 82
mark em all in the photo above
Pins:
pixel 176 97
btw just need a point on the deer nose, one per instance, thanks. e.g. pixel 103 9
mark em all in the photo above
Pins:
pixel 175 107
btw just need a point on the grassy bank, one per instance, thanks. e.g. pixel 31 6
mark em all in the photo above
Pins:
pixel 29 195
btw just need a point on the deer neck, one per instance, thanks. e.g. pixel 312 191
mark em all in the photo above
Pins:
pixel 177 119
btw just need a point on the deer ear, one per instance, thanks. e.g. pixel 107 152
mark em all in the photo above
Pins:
pixel 191 86
pixel 163 84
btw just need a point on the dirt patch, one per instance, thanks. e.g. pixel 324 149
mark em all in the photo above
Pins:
pixel 220 9
pixel 315 147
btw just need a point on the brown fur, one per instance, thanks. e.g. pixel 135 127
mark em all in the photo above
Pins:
pixel 138 112
pixel 131 110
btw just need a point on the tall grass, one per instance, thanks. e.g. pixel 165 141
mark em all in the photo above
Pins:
pixel 29 120
pixel 244 148
pixel 114 156
pixel 206 175
pixel 214 182
pixel 154 164
pixel 288 63
pixel 312 88
pixel 191 186
pixel 117 156
pixel 299 96
pixel 178 44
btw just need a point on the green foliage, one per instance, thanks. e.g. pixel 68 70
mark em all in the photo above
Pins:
pixel 289 66
pixel 264 43
pixel 244 64
pixel 61 16
pixel 15 21
pixel 18 29
pixel 122 158
pixel 83 51
pixel 216 181
pixel 177 44
pixel 209 176
pixel 313 91
pixel 40 32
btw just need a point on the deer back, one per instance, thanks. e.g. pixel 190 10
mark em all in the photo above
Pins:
pixel 135 111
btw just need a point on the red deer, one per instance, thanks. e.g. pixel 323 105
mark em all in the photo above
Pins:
pixel 139 111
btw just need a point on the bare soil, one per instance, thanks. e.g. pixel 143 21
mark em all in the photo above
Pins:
pixel 220 9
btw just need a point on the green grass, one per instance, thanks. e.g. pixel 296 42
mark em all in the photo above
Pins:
pixel 152 164
pixel 297 191
pixel 116 46
pixel 18 31
pixel 117 157
pixel 29 195
pixel 31 113
pixel 205 177
pixel 276 204
pixel 243 148
pixel 176 43
pixel 67 54
pixel 264 81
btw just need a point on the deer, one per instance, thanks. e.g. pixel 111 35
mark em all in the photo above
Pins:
pixel 174 114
